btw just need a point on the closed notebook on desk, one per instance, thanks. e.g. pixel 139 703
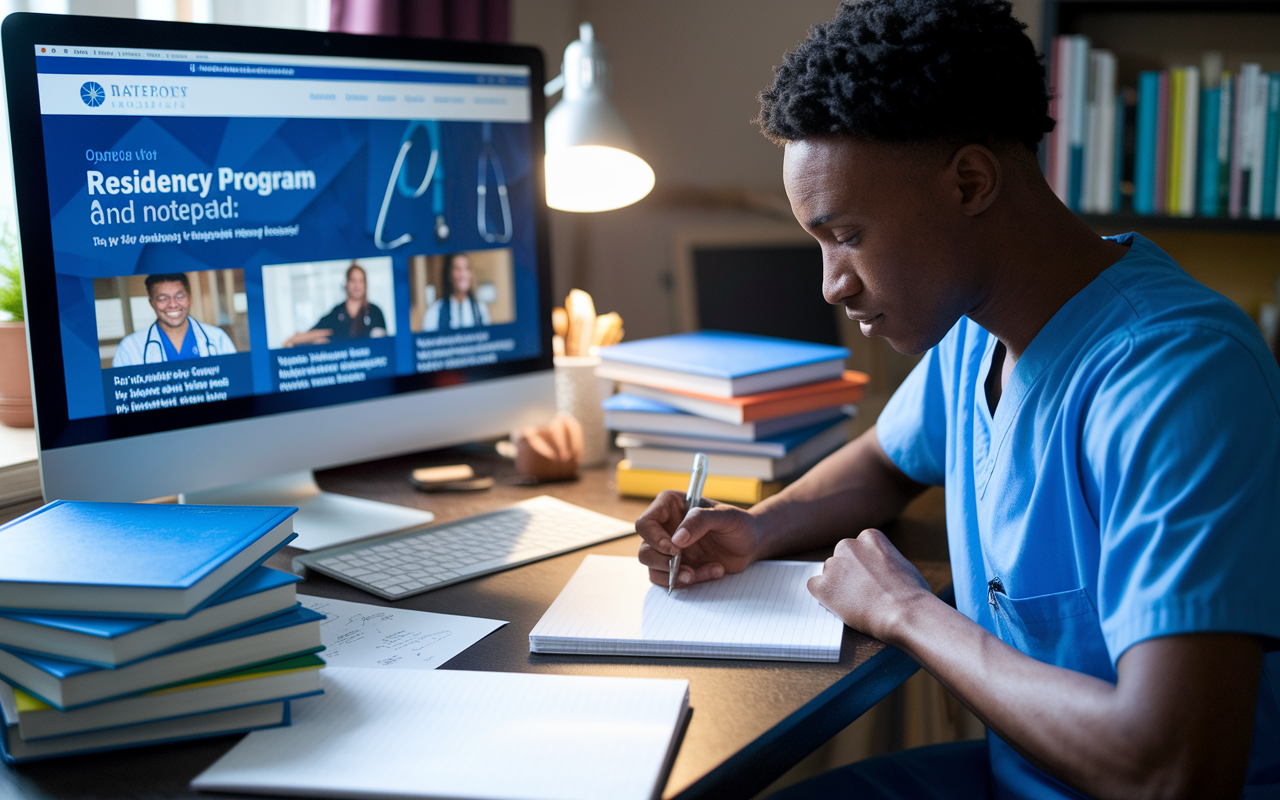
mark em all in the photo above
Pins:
pixel 609 607
pixel 399 733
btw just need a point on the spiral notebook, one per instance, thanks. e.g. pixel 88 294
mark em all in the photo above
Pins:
pixel 609 607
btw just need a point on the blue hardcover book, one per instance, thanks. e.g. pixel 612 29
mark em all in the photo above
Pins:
pixel 777 446
pixel 132 559
pixel 68 684
pixel 113 641
pixel 1270 150
pixel 1144 172
pixel 721 364
pixel 1210 112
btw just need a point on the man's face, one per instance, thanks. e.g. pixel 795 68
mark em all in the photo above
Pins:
pixel 171 303
pixel 887 221
pixel 355 285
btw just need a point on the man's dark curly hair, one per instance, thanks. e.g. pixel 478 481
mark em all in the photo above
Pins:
pixel 912 71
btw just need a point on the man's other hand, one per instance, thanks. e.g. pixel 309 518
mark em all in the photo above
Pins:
pixel 713 541
pixel 868 584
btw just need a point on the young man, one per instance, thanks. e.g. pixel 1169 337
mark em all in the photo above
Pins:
pixel 174 335
pixel 1107 430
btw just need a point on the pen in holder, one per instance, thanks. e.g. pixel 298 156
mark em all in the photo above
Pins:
pixel 579 394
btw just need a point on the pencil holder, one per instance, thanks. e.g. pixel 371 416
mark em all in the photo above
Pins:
pixel 579 394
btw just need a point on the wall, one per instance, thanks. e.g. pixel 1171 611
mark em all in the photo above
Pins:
pixel 686 75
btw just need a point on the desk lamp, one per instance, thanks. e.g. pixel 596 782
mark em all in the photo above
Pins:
pixel 591 160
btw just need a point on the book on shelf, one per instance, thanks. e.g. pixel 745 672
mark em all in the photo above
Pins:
pixel 113 641
pixel 1272 130
pixel 632 413
pixel 1210 127
pixel 785 402
pixel 68 684
pixel 198 726
pixel 634 482
pixel 1204 139
pixel 279 680
pixel 770 447
pixel 133 559
pixel 765 468
pixel 720 363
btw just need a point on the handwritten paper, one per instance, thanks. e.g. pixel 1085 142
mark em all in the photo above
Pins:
pixel 362 635
pixel 610 607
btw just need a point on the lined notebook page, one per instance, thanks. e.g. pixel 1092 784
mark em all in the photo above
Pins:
pixel 446 733
pixel 610 607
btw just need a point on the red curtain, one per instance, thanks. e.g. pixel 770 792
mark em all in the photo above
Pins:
pixel 468 20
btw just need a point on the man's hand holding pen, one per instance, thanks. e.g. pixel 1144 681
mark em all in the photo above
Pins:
pixel 713 540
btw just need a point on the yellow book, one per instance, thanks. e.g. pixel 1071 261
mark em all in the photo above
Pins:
pixel 1173 186
pixel 726 489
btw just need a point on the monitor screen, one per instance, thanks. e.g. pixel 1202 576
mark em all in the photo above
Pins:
pixel 238 233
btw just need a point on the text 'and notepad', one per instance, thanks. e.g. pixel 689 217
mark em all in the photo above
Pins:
pixel 610 607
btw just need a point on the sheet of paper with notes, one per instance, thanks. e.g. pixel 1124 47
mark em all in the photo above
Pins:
pixel 388 733
pixel 609 607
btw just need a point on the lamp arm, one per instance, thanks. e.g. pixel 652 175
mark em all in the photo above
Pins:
pixel 554 85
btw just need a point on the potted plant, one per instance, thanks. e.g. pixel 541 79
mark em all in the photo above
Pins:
pixel 15 370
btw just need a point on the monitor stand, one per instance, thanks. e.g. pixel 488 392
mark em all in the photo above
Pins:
pixel 323 518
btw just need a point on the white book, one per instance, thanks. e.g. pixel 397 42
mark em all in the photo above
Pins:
pixel 776 447
pixel 1253 135
pixel 765 468
pixel 610 607
pixel 455 734
pixel 1188 158
pixel 1102 133
pixel 215 723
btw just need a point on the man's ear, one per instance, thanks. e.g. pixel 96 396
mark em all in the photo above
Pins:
pixel 978 177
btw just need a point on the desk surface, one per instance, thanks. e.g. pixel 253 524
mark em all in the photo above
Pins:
pixel 751 720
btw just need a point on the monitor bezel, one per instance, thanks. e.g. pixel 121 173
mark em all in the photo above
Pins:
pixel 21 32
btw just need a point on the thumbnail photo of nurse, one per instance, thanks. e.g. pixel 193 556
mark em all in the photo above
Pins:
pixel 460 290
pixel 151 319
pixel 320 302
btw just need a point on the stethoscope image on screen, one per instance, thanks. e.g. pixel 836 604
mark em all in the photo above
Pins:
pixel 153 338
pixel 489 156
pixel 433 177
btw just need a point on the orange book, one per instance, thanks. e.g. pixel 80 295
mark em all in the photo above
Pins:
pixel 755 407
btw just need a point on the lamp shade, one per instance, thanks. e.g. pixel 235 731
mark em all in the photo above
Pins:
pixel 591 161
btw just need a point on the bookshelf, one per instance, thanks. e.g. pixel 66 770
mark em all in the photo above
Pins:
pixel 1238 257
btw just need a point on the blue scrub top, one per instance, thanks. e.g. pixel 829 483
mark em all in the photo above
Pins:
pixel 1127 486
pixel 189 347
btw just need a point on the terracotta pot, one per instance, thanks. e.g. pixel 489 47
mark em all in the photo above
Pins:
pixel 15 376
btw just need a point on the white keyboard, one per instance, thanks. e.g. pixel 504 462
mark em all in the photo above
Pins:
pixel 405 564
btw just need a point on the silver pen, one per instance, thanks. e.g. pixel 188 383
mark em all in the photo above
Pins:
pixel 692 500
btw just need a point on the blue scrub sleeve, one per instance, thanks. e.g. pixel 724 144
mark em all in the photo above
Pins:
pixel 912 427
pixel 1183 446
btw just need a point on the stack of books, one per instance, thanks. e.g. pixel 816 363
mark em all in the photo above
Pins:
pixel 129 624
pixel 764 410
pixel 1191 140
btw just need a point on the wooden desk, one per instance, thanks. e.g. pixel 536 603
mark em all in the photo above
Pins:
pixel 751 721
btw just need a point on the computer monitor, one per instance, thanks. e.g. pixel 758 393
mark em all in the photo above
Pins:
pixel 250 252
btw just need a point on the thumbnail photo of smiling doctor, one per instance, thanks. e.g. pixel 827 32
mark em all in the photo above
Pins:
pixel 319 302
pixel 461 290
pixel 151 319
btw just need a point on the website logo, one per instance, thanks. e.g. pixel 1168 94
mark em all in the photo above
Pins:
pixel 92 94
